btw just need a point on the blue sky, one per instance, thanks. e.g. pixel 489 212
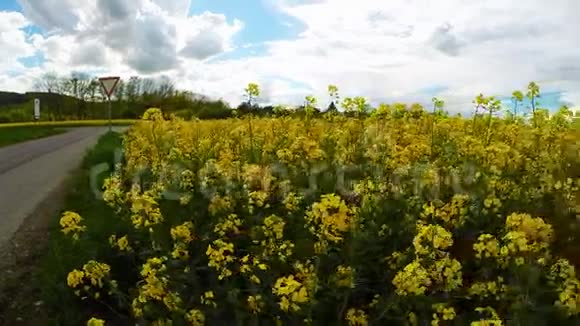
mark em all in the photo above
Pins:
pixel 386 51
pixel 261 22
pixel 9 5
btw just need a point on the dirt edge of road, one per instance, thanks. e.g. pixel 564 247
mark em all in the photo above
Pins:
pixel 20 298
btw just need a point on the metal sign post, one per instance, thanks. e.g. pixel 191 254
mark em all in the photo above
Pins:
pixel 109 84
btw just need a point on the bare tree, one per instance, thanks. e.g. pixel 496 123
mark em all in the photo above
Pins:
pixel 148 86
pixel 79 86
pixel 48 82
pixel 166 87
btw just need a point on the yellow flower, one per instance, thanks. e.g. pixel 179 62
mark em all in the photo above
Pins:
pixel 96 272
pixel 153 266
pixel 431 237
pixel 230 226
pixel 330 218
pixel 208 299
pixel 258 198
pixel 562 270
pixel 136 308
pixel 144 207
pixel 195 317
pixel 294 289
pixel 285 304
pixel 220 255
pixel 451 214
pixel 182 233
pixel 286 285
pixel 172 301
pixel 412 318
pixel 180 253
pixel 273 244
pixel 274 227
pixel 95 322
pixel 292 201
pixel 345 276
pixel 442 311
pixel 486 289
pixel 255 303
pixel 153 288
pixel 486 246
pixel 527 234
pixel 569 297
pixel 413 279
pixel 300 296
pixel 219 204
pixel 123 243
pixel 75 278
pixel 255 279
pixel 447 271
pixel 70 223
pixel 356 317
pixel 153 114
pixel 492 320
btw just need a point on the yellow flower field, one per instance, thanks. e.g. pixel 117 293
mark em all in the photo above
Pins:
pixel 401 218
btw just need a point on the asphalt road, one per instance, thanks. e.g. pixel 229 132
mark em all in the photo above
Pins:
pixel 29 171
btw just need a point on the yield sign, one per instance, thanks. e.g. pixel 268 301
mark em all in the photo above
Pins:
pixel 109 84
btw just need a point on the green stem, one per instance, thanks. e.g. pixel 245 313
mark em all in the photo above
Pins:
pixel 489 126
pixel 433 130
pixel 474 118
pixel 251 139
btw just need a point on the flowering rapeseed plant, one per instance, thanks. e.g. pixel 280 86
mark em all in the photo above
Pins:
pixel 400 217
pixel 70 223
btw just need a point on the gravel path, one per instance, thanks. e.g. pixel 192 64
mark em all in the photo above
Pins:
pixel 29 171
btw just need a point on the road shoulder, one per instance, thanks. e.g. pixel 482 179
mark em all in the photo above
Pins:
pixel 20 298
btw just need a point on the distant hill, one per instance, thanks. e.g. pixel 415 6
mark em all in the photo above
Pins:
pixel 10 98
pixel 16 107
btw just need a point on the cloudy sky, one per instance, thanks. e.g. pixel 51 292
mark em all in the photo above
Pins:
pixel 395 50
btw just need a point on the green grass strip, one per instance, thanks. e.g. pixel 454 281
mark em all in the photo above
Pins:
pixel 13 135
pixel 61 258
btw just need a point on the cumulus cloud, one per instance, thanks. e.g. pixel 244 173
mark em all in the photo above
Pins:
pixel 398 47
pixel 91 54
pixel 212 35
pixel 385 50
pixel 148 36
pixel 51 15
pixel 153 48
pixel 13 40
pixel 203 45
pixel 445 41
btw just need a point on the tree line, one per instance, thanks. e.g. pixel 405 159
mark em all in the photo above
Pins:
pixel 80 96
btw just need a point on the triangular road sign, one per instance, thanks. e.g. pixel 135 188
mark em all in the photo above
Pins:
pixel 109 84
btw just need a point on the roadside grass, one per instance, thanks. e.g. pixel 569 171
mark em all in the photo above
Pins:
pixel 69 123
pixel 64 254
pixel 13 135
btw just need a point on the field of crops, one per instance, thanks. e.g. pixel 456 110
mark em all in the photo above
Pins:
pixel 400 218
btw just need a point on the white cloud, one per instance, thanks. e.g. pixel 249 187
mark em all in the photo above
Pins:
pixel 385 50
pixel 146 36
pixel 13 41
pixel 391 49
pixel 212 35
